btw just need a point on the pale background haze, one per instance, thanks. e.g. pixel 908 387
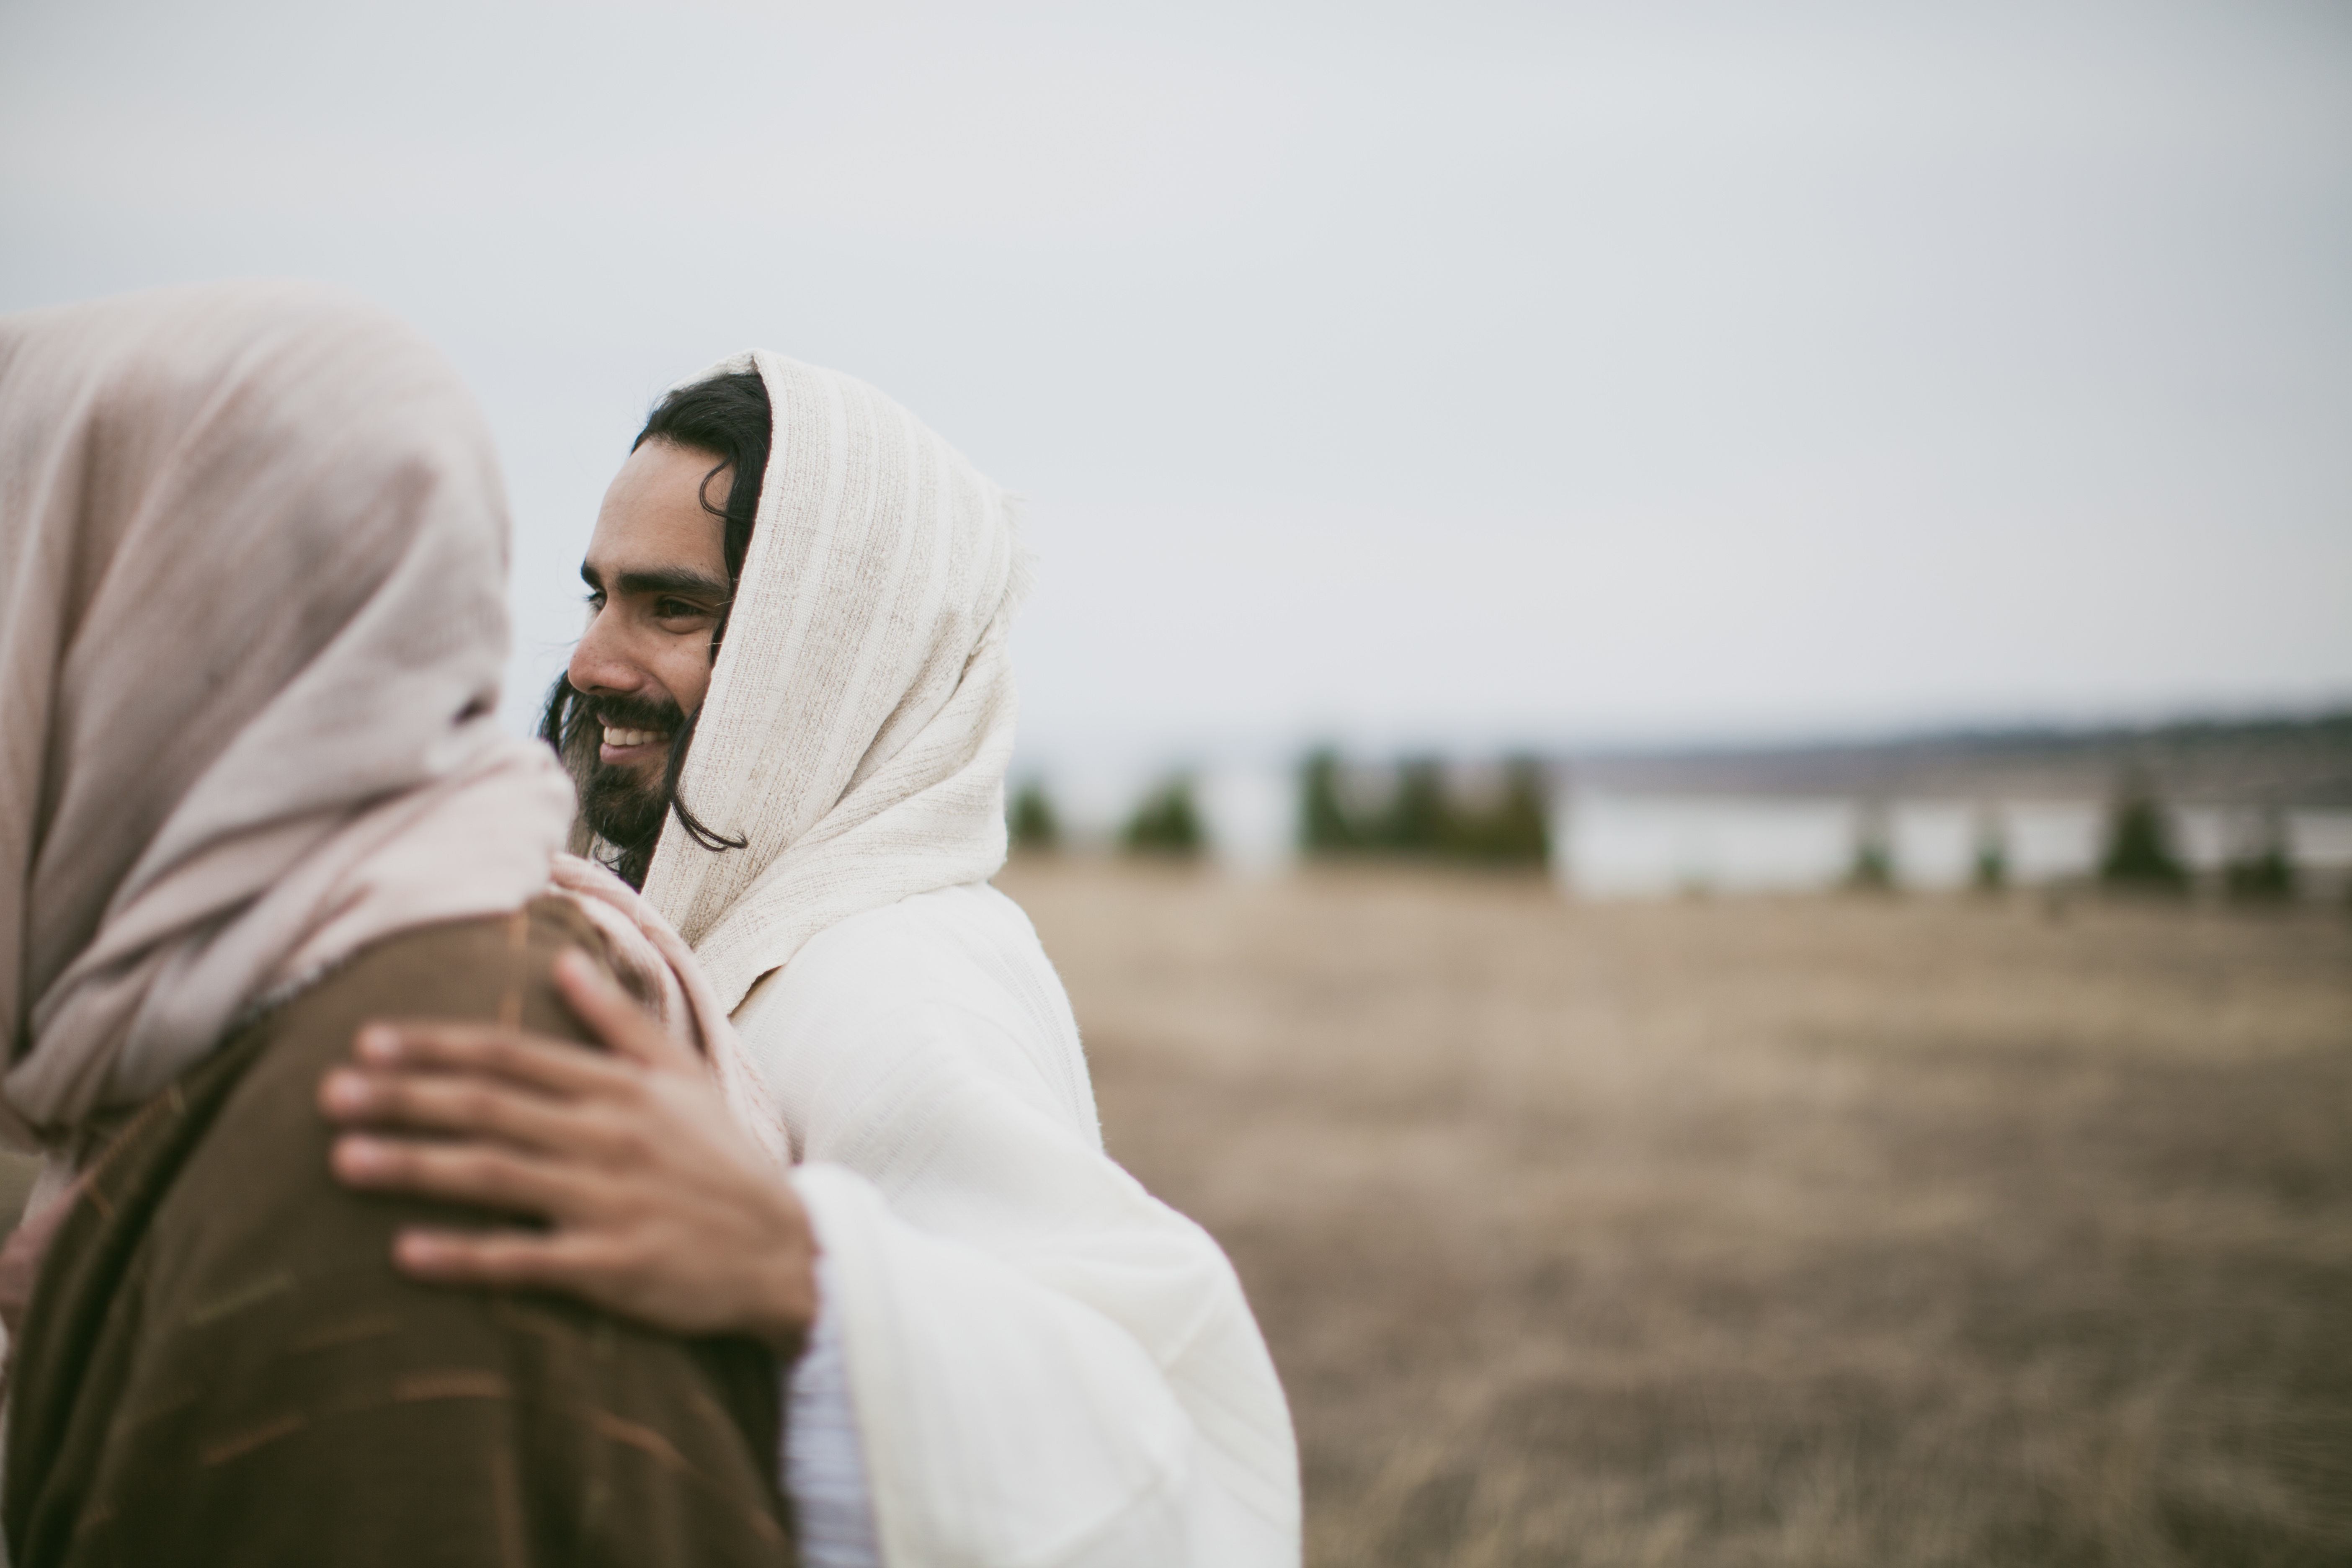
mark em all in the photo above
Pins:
pixel 1470 376
pixel 1467 375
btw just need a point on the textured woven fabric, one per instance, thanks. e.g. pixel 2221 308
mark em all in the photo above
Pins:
pixel 252 622
pixel 860 714
pixel 654 962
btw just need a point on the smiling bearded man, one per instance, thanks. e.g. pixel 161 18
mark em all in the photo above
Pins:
pixel 661 570
pixel 790 715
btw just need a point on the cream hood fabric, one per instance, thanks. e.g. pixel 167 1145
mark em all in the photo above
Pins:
pixel 860 714
pixel 252 621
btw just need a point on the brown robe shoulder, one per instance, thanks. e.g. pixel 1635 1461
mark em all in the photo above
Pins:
pixel 220 1362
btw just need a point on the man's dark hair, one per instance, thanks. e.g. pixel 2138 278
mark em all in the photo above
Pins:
pixel 728 417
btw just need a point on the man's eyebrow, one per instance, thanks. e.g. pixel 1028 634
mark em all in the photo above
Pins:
pixel 683 581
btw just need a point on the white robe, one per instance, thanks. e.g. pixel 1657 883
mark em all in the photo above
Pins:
pixel 1046 1365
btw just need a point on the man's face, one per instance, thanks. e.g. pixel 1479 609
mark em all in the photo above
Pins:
pixel 657 577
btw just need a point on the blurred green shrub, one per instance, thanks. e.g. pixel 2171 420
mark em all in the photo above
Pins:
pixel 1323 825
pixel 1991 870
pixel 1166 823
pixel 2261 867
pixel 1420 817
pixel 2139 855
pixel 1033 824
pixel 1516 830
pixel 1872 867
pixel 1424 817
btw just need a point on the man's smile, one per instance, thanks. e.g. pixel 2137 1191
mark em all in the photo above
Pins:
pixel 622 745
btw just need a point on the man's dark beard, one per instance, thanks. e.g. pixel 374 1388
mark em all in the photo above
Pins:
pixel 620 805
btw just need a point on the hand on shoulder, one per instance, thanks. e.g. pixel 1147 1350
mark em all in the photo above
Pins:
pixel 657 1206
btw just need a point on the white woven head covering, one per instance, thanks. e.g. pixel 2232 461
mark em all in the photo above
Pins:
pixel 860 716
pixel 252 559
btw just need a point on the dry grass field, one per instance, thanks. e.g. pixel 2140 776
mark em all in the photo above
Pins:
pixel 1807 1232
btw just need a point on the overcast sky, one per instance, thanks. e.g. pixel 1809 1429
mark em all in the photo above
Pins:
pixel 1462 373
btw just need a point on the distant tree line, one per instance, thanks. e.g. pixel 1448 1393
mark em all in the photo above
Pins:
pixel 1166 825
pixel 1031 820
pixel 2245 764
pixel 1873 867
pixel 2139 855
pixel 1425 816
pixel 2139 852
pixel 2142 856
pixel 2261 866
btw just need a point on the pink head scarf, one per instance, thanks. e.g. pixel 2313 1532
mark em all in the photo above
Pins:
pixel 252 559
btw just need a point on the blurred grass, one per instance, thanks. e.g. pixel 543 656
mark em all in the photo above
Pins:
pixel 1778 1231
pixel 1809 1231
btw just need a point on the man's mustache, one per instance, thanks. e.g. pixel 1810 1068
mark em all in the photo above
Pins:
pixel 625 712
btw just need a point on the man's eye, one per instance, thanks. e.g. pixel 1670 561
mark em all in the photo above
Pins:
pixel 676 610
pixel 595 601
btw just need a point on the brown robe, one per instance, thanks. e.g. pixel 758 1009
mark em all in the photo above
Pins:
pixel 220 1362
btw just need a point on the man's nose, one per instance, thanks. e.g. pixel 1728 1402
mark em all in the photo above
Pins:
pixel 599 662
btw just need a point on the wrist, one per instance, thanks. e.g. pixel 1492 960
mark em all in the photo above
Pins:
pixel 786 1311
pixel 785 1306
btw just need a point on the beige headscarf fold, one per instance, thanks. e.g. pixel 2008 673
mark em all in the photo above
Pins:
pixel 252 554
pixel 656 963
pixel 860 716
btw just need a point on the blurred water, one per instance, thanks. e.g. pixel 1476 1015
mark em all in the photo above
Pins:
pixel 1609 844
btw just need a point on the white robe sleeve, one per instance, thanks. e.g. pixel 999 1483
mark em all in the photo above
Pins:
pixel 1047 1366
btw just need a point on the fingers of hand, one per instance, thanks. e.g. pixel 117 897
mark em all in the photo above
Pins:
pixel 553 1066
pixel 680 1289
pixel 450 1103
pixel 613 1017
pixel 567 1261
pixel 484 1175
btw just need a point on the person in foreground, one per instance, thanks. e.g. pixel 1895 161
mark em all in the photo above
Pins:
pixel 252 792
pixel 790 715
